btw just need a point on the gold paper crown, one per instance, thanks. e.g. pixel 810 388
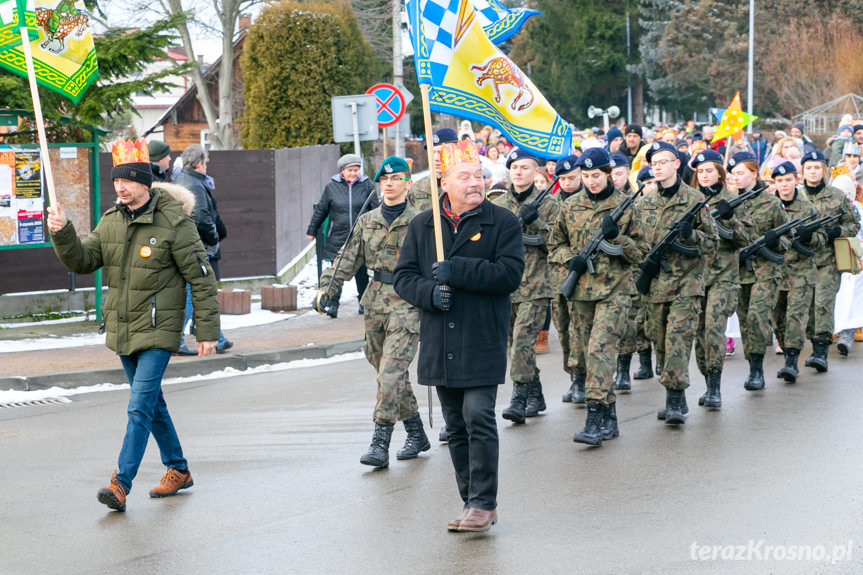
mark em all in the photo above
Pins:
pixel 452 154
pixel 130 152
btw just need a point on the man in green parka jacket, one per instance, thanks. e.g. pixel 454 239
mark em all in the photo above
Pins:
pixel 149 248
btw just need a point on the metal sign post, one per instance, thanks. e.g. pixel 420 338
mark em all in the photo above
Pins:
pixel 354 119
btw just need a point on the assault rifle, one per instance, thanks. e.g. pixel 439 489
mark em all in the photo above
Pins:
pixel 659 252
pixel 811 227
pixel 535 239
pixel 728 233
pixel 759 246
pixel 595 245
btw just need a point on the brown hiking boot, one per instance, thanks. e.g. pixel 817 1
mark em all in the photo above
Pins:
pixel 173 481
pixel 114 496
pixel 542 342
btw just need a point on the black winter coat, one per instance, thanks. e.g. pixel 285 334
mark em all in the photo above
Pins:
pixel 341 202
pixel 205 213
pixel 465 346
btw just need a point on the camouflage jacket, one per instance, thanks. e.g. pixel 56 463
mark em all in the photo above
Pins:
pixel 419 195
pixel 687 273
pixel 798 270
pixel 723 263
pixel 827 202
pixel 580 218
pixel 765 212
pixel 375 244
pixel 536 279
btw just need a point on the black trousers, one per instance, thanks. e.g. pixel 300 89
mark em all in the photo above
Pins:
pixel 473 443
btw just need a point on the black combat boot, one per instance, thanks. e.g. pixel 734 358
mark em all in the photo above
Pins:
pixel 789 371
pixel 515 411
pixel 713 398
pixel 442 436
pixel 621 380
pixel 592 432
pixel 818 359
pixel 578 395
pixel 704 395
pixel 660 414
pixel 755 381
pixel 675 399
pixel 567 397
pixel 609 423
pixel 332 309
pixel 416 441
pixel 845 341
pixel 535 400
pixel 645 368
pixel 378 454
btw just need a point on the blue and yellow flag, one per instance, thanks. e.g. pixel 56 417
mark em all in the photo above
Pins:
pixel 61 41
pixel 499 22
pixel 470 77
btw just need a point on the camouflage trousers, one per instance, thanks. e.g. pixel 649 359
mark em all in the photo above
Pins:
pixel 390 346
pixel 717 305
pixel 525 323
pixel 597 328
pixel 820 324
pixel 755 303
pixel 562 316
pixel 633 338
pixel 671 328
pixel 790 316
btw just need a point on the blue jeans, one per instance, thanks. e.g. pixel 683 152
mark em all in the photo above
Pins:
pixel 188 316
pixel 148 413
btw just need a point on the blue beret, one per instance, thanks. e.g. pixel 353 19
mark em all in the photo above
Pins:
pixel 659 147
pixel 613 133
pixel 813 156
pixel 616 160
pixel 593 159
pixel 565 166
pixel 741 157
pixel 645 173
pixel 783 169
pixel 519 154
pixel 392 165
pixel 444 136
pixel 707 156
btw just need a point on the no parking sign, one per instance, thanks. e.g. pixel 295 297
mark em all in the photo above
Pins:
pixel 391 104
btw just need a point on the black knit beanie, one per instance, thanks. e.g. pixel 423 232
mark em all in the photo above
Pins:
pixel 136 172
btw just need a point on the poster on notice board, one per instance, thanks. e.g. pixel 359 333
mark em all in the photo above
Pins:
pixel 21 198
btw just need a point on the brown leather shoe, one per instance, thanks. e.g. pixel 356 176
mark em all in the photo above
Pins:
pixel 478 520
pixel 542 342
pixel 453 524
pixel 114 496
pixel 173 481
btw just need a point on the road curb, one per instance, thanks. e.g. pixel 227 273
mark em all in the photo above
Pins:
pixel 189 368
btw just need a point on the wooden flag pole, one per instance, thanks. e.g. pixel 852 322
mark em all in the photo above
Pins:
pixel 37 111
pixel 438 237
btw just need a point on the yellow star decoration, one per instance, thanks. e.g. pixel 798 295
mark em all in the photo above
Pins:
pixel 733 121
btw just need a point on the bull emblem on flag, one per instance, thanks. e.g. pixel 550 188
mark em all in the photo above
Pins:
pixel 59 22
pixel 502 73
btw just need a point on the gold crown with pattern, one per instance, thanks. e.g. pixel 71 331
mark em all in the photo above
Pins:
pixel 130 152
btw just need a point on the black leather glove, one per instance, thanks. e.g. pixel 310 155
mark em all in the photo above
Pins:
pixel 321 301
pixel 685 229
pixel 610 229
pixel 771 240
pixel 723 210
pixel 442 271
pixel 528 214
pixel 804 233
pixel 650 267
pixel 442 297
pixel 833 233
pixel 577 264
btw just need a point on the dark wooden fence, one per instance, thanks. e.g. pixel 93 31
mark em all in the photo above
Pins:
pixel 265 198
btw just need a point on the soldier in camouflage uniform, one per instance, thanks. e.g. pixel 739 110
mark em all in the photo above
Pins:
pixel 392 325
pixel 568 176
pixel 760 285
pixel 674 299
pixel 722 273
pixel 798 272
pixel 419 196
pixel 530 302
pixel 827 200
pixel 601 301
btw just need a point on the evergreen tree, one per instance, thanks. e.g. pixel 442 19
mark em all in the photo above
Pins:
pixel 297 56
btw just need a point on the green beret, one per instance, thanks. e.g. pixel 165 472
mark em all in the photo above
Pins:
pixel 392 165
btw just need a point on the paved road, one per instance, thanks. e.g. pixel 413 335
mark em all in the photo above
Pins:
pixel 279 488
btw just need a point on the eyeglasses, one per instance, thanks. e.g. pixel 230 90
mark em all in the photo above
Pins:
pixel 660 163
pixel 384 179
